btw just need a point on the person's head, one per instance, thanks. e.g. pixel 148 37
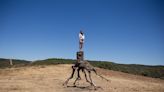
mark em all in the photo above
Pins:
pixel 81 32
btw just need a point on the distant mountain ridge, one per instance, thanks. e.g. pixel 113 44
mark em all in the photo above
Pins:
pixel 16 62
pixel 144 70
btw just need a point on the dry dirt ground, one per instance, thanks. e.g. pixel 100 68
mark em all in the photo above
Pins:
pixel 50 79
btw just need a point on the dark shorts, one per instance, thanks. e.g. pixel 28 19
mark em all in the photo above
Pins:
pixel 81 41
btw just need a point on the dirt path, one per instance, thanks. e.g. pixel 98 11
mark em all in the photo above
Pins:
pixel 51 78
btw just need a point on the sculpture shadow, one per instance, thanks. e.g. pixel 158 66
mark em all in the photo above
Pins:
pixel 86 87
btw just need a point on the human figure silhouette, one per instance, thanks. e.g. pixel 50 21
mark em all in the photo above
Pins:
pixel 81 40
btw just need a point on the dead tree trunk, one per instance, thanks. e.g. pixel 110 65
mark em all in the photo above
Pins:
pixel 11 62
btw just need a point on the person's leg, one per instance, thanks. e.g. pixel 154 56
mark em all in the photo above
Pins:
pixel 80 46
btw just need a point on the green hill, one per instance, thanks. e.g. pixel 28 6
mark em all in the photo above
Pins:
pixel 6 63
pixel 144 70
pixel 53 61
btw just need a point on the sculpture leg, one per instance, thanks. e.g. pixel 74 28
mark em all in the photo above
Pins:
pixel 78 76
pixel 73 71
pixel 86 76
pixel 91 79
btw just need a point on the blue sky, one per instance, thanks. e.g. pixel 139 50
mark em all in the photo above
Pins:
pixel 121 31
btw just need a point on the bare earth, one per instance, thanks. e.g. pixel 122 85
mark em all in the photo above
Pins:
pixel 50 79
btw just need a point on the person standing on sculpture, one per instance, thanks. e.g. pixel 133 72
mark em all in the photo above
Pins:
pixel 81 40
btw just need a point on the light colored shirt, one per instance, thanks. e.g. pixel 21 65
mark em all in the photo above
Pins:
pixel 81 37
